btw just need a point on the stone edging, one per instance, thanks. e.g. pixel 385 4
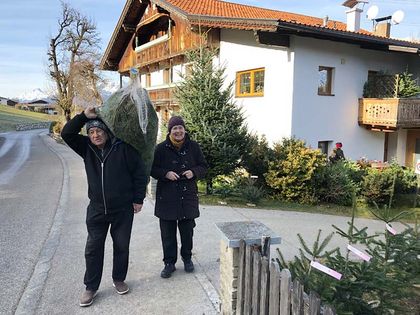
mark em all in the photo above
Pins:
pixel 29 126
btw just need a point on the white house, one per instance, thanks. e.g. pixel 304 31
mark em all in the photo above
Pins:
pixel 6 101
pixel 295 75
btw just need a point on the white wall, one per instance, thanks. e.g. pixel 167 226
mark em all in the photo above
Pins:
pixel 156 78
pixel 321 118
pixel 270 114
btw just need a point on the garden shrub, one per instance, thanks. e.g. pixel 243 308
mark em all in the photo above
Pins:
pixel 292 169
pixel 56 126
pixel 377 185
pixel 334 183
pixel 251 192
pixel 228 185
pixel 257 158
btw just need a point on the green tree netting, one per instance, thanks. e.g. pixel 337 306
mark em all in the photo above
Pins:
pixel 130 115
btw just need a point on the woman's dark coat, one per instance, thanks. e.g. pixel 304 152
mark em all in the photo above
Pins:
pixel 177 200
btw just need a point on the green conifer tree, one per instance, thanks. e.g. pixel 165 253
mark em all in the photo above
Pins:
pixel 212 117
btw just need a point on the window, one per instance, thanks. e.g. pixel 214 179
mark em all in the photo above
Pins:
pixel 324 146
pixel 148 80
pixel 167 76
pixel 325 80
pixel 250 83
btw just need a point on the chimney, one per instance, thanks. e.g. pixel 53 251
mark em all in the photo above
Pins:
pixel 383 29
pixel 353 19
pixel 325 21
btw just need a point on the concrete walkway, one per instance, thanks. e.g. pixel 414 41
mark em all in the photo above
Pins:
pixel 181 294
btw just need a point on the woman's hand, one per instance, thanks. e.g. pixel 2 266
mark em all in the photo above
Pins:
pixel 188 174
pixel 172 176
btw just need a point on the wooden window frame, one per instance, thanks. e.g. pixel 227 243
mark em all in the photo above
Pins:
pixel 330 75
pixel 252 76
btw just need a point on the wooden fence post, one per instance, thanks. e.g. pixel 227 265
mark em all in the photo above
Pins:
pixel 274 303
pixel 314 303
pixel 256 281
pixel 285 288
pixel 248 280
pixel 241 279
pixel 297 298
pixel 329 310
pixel 265 286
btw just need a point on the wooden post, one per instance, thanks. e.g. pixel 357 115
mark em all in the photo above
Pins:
pixel 328 310
pixel 285 288
pixel 265 246
pixel 256 281
pixel 274 303
pixel 265 286
pixel 248 280
pixel 297 298
pixel 314 303
pixel 241 279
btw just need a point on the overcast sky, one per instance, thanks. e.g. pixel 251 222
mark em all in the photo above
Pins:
pixel 26 25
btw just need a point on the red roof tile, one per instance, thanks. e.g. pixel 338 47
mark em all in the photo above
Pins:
pixel 223 9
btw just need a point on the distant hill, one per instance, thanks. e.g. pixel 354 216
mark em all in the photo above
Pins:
pixel 105 89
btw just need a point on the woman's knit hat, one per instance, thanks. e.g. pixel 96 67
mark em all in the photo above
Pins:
pixel 175 121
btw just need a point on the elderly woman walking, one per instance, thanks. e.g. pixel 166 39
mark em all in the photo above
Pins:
pixel 178 164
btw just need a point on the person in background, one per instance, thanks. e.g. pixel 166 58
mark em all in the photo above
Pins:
pixel 178 164
pixel 116 189
pixel 337 153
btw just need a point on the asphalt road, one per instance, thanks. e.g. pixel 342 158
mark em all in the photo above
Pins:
pixel 31 179
pixel 43 199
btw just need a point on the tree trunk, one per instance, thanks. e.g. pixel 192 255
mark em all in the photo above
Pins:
pixel 67 114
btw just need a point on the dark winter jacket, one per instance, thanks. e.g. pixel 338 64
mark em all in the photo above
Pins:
pixel 116 175
pixel 177 200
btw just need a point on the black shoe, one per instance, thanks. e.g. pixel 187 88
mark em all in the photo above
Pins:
pixel 188 265
pixel 167 271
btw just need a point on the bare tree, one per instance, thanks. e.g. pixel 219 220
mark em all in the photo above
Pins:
pixel 72 56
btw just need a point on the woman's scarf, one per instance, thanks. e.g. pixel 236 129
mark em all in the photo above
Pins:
pixel 176 144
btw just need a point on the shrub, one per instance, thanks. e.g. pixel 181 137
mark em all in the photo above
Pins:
pixel 377 185
pixel 257 158
pixel 228 185
pixel 292 169
pixel 56 126
pixel 251 192
pixel 334 183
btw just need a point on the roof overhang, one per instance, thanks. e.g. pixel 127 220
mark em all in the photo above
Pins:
pixel 134 10
pixel 365 41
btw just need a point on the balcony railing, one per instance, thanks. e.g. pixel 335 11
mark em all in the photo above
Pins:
pixel 162 96
pixel 389 113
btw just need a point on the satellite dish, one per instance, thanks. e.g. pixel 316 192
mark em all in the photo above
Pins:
pixel 397 17
pixel 372 12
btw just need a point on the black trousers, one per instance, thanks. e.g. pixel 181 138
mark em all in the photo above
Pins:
pixel 97 225
pixel 169 240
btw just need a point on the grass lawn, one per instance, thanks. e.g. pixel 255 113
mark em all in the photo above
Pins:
pixel 10 116
pixel 273 204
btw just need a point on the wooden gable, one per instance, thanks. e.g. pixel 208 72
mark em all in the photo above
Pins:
pixel 162 38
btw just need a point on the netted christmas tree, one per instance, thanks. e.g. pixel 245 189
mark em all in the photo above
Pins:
pixel 212 117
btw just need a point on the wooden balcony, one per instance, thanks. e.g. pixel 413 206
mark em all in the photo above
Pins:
pixel 389 113
pixel 162 96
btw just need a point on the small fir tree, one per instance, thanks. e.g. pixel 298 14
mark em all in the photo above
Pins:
pixel 407 86
pixel 212 117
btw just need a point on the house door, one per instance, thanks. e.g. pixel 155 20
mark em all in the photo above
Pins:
pixel 413 148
